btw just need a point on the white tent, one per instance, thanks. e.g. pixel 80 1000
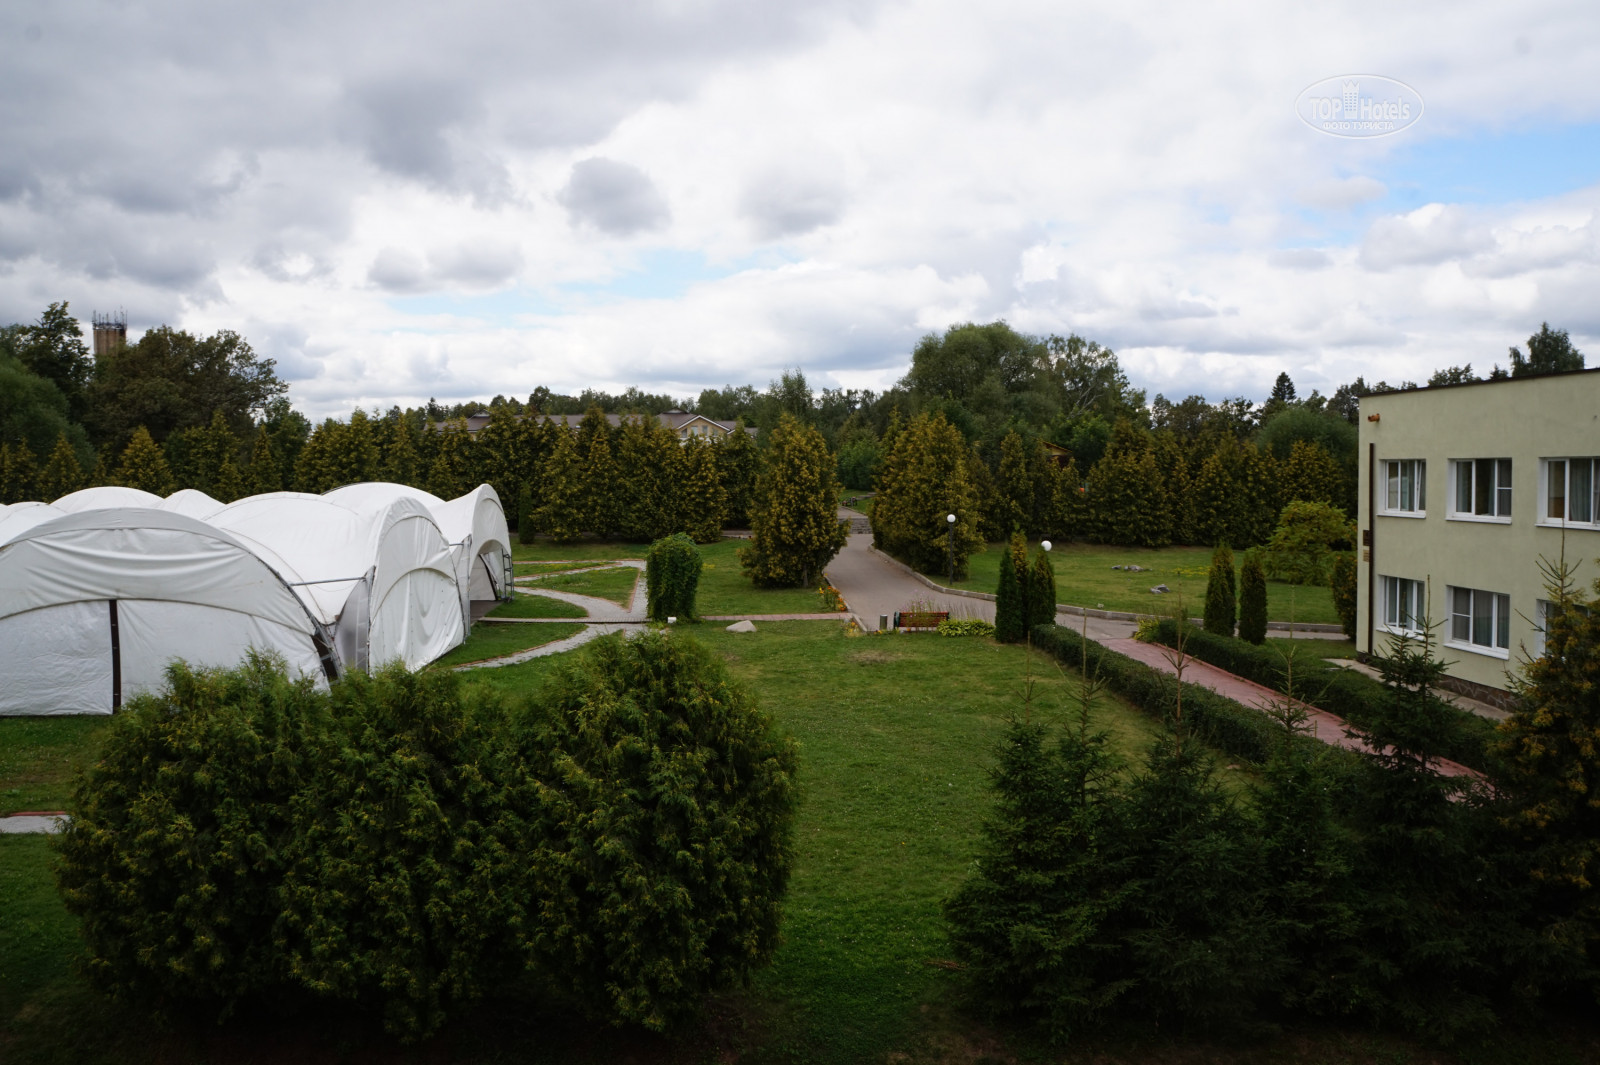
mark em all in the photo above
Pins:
pixel 94 605
pixel 381 574
pixel 104 497
pixel 191 502
pixel 474 525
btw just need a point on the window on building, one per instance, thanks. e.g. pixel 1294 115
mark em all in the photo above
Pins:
pixel 1480 619
pixel 1544 610
pixel 1572 491
pixel 1404 609
pixel 1407 486
pixel 1483 488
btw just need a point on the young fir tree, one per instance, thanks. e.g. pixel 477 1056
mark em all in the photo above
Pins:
pixel 102 469
pixel 650 474
pixel 500 452
pixel 986 497
pixel 229 483
pixel 453 472
pixel 796 531
pixel 264 473
pixel 312 467
pixel 561 508
pixel 1343 583
pixel 143 465
pixel 1252 600
pixel 1048 487
pixel 1014 489
pixel 1172 460
pixel 1041 591
pixel 1257 483
pixel 891 475
pixel 61 474
pixel 1037 923
pixel 1010 599
pixel 1220 599
pixel 1213 498
pixel 401 463
pixel 19 474
pixel 355 459
pixel 1127 501
pixel 703 500
pixel 738 464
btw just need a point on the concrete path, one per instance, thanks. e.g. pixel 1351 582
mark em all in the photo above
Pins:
pixel 1328 728
pixel 32 822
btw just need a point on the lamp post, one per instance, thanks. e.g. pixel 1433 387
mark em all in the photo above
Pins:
pixel 950 520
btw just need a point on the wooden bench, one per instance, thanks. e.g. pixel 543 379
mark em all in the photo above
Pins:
pixel 905 620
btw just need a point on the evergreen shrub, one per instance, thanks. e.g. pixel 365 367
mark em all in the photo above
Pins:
pixel 1010 603
pixel 525 519
pixel 965 627
pixel 663 836
pixel 1343 583
pixel 1041 595
pixel 1220 605
pixel 1252 600
pixel 672 577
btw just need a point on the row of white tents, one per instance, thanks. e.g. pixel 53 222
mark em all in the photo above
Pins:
pixel 102 589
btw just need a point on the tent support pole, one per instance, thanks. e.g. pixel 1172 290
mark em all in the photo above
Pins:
pixel 116 660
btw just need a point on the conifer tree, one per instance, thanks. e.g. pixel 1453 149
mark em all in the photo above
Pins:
pixel 1127 501
pixel 19 474
pixel 1041 591
pixel 739 464
pixel 61 474
pixel 264 473
pixel 796 531
pixel 1045 478
pixel 1252 600
pixel 601 510
pixel 501 461
pixel 1220 599
pixel 1014 489
pixel 703 500
pixel 401 462
pixel 525 515
pixel 102 469
pixel 310 466
pixel 927 482
pixel 986 497
pixel 229 484
pixel 890 478
pixel 143 465
pixel 1213 496
pixel 649 478
pixel 1010 598
pixel 1310 475
pixel 453 472
pixel 560 511
pixel 1257 484
pixel 1172 460
pixel 354 458
pixel 1071 504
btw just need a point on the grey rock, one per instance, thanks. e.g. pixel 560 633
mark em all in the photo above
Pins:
pixel 1160 589
pixel 742 626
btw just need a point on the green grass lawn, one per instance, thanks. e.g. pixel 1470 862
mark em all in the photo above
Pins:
pixel 1084 577
pixel 613 583
pixel 582 551
pixel 538 606
pixel 495 641
pixel 39 756
pixel 532 569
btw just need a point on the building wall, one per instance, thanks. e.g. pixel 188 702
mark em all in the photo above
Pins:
pixel 1526 420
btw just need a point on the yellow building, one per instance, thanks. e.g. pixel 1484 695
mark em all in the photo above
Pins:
pixel 1464 489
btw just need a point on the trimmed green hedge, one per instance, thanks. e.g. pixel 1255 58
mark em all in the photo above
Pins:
pixel 1237 730
pixel 1342 692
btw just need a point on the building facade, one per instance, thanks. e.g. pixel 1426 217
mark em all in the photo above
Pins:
pixel 1464 490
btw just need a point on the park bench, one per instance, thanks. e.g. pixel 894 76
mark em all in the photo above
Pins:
pixel 919 619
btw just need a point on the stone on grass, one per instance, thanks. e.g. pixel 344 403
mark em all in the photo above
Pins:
pixel 1160 589
pixel 742 626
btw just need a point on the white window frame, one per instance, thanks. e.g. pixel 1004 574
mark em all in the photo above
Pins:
pixel 1570 501
pixel 1503 495
pixel 1541 621
pixel 1393 484
pixel 1492 609
pixel 1397 612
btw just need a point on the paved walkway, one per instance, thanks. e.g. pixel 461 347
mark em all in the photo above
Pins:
pixel 52 821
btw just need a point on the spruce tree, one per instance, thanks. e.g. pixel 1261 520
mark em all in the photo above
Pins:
pixel 1172 460
pixel 229 484
pixel 19 474
pixel 400 462
pixel 355 458
pixel 501 459
pixel 560 513
pixel 453 472
pixel 1220 601
pixel 703 500
pixel 312 470
pixel 739 464
pixel 927 481
pixel 1258 485
pixel 1127 501
pixel 61 474
pixel 1214 497
pixel 1041 591
pixel 796 530
pixel 601 508
pixel 649 479
pixel 143 465
pixel 1037 923
pixel 985 497
pixel 1010 599
pixel 1252 600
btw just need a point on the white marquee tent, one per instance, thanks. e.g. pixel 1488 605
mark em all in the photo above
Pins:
pixel 381 575
pixel 94 604
pixel 100 590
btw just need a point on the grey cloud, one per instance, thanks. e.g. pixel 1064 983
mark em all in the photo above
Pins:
pixel 1425 237
pixel 1299 259
pixel 398 271
pixel 471 266
pixel 1544 248
pixel 403 124
pixel 616 198
pixel 1344 192
pixel 785 205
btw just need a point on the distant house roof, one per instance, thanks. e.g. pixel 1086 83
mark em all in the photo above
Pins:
pixel 676 420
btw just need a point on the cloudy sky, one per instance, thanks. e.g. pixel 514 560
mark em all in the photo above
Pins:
pixel 400 200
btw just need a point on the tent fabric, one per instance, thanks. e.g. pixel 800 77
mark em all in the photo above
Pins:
pixel 191 502
pixel 474 525
pixel 177 587
pixel 325 548
pixel 104 497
